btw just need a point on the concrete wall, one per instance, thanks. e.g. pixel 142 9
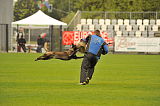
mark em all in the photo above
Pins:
pixel 6 17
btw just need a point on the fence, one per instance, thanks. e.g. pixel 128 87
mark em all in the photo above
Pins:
pixel 55 38
pixel 4 38
pixel 52 34
pixel 120 15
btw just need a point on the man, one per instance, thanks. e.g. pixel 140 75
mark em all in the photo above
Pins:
pixel 95 47
pixel 17 40
pixel 40 42
pixel 21 43
pixel 47 45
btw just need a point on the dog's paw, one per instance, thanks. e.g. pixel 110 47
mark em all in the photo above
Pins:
pixel 35 60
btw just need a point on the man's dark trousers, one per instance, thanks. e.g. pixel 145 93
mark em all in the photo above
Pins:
pixel 23 47
pixel 87 67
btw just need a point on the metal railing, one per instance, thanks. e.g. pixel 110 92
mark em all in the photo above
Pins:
pixel 75 20
pixel 120 15
pixel 110 15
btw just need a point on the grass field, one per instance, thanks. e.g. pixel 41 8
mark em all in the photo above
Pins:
pixel 119 80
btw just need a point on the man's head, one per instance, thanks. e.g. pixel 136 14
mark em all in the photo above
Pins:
pixel 97 32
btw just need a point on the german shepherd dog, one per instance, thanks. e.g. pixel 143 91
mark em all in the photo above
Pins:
pixel 66 55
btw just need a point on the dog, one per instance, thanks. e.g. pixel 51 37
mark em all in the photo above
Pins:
pixel 66 55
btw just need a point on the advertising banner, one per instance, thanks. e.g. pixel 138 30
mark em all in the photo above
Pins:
pixel 74 37
pixel 126 44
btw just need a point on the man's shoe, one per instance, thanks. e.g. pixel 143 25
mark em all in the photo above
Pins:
pixel 83 83
pixel 87 80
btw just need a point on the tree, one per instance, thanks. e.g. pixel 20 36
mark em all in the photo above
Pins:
pixel 63 8
pixel 151 5
pixel 24 8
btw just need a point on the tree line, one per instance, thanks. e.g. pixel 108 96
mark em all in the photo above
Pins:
pixel 65 9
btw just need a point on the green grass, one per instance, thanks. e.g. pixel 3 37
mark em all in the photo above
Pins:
pixel 119 80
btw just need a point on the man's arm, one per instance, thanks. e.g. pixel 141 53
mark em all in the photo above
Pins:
pixel 24 41
pixel 74 56
pixel 73 53
pixel 104 49
pixel 86 39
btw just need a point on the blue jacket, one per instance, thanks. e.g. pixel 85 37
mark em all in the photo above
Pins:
pixel 96 45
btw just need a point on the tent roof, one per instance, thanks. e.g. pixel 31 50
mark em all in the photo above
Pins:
pixel 39 18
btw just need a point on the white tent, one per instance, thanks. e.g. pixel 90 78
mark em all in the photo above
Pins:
pixel 39 18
